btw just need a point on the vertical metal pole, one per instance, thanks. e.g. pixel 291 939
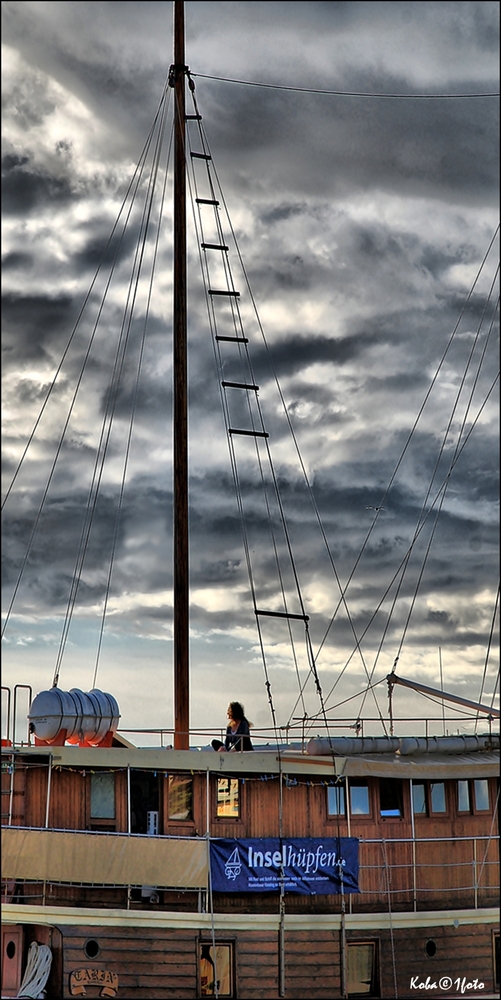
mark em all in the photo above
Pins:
pixel 207 803
pixel 181 565
pixel 281 931
pixel 414 871
pixel 12 779
pixel 129 823
pixel 348 821
pixel 49 784
pixel 442 688
pixel 475 884
pixel 343 956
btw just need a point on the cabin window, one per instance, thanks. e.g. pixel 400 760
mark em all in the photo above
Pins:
pixel 102 795
pixel 180 797
pixel 215 967
pixel 437 796
pixel 336 800
pixel 481 787
pixel 495 958
pixel 428 798
pixel 464 804
pixel 419 798
pixel 359 799
pixel 390 797
pixel 144 802
pixel 227 798
pixel 361 969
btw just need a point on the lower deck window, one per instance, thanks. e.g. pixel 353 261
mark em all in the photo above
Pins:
pixel 227 798
pixel 335 800
pixel 481 787
pixel 180 797
pixel 428 798
pixel 144 801
pixel 390 797
pixel 102 795
pixel 215 969
pixel 437 796
pixel 359 799
pixel 464 804
pixel 361 969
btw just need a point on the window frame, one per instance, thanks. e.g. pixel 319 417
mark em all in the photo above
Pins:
pixel 473 809
pixel 105 824
pixel 496 977
pixel 335 816
pixel 188 778
pixel 359 783
pixel 389 818
pixel 469 810
pixel 227 942
pixel 473 798
pixel 240 785
pixel 375 985
pixel 429 812
pixel 157 777
pixel 433 812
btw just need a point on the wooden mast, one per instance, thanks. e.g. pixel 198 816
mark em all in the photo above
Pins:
pixel 181 554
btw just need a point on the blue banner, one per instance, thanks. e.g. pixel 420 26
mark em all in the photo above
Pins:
pixel 307 866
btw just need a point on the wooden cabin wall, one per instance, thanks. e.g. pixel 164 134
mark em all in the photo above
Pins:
pixel 68 799
pixel 13 778
pixel 161 963
pixel 154 964
pixel 445 872
pixel 465 951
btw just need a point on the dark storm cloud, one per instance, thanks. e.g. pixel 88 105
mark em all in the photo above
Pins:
pixel 24 190
pixel 34 326
pixel 299 352
pixel 408 148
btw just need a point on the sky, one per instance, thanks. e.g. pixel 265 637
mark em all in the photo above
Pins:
pixel 363 223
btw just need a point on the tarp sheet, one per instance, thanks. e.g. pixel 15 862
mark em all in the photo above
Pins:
pixel 308 866
pixel 103 859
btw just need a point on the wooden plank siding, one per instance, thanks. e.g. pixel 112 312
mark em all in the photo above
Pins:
pixel 445 874
pixel 154 964
pixel 13 806
pixel 312 964
pixel 160 963
pixel 462 952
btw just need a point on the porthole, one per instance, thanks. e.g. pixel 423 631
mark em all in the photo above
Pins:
pixel 10 950
pixel 431 949
pixel 91 949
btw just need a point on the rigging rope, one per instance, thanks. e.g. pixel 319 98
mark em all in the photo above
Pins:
pixel 245 362
pixel 345 93
pixel 416 422
pixel 445 438
pixel 111 402
pixel 418 532
pixel 313 669
pixel 136 384
pixel 131 193
pixel 133 181
pixel 37 971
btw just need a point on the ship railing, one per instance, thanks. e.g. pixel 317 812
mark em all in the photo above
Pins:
pixel 425 871
pixel 402 883
pixel 295 734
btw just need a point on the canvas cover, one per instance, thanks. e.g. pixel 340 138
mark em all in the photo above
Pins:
pixel 103 859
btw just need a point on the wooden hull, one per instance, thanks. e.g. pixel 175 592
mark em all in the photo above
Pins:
pixel 155 955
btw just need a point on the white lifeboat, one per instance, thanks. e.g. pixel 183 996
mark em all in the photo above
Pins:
pixel 89 719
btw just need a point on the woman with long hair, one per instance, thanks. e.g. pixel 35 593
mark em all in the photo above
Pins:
pixel 238 731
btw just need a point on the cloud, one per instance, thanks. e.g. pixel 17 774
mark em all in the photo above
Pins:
pixel 363 224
